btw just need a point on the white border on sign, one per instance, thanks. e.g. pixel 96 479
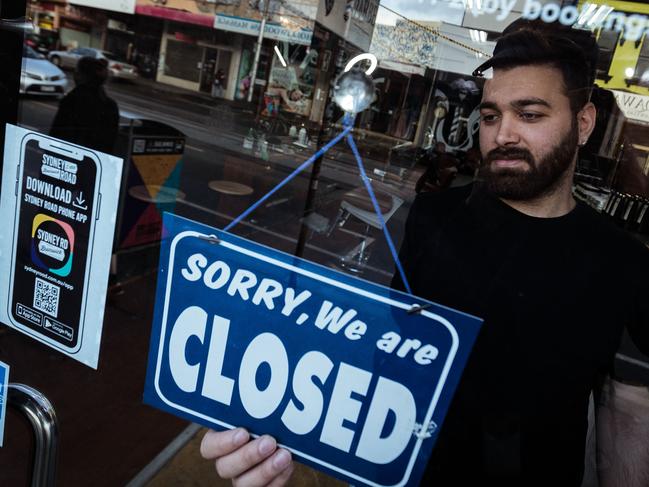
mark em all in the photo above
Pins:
pixel 326 280
pixel 4 399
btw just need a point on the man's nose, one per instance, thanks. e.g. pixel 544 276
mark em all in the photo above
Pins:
pixel 507 131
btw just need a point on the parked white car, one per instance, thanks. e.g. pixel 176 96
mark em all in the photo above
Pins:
pixel 117 68
pixel 38 76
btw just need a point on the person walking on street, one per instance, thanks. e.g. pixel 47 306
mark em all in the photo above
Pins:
pixel 87 116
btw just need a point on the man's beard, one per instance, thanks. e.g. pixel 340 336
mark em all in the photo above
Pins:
pixel 539 179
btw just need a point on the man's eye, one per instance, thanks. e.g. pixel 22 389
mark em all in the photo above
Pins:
pixel 528 116
pixel 488 117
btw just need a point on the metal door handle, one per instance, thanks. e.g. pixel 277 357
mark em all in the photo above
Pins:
pixel 21 24
pixel 40 413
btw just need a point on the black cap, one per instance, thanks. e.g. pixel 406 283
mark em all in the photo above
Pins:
pixel 526 42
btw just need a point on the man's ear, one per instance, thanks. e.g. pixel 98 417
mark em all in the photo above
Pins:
pixel 586 122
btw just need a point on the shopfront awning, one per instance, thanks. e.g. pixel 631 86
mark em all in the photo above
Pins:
pixel 124 6
pixel 405 68
pixel 175 15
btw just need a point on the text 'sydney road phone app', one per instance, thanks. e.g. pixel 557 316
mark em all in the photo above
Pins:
pixel 57 206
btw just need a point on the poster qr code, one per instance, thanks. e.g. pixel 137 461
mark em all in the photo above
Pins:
pixel 46 297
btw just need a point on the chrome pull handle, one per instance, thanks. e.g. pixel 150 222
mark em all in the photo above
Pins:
pixel 20 24
pixel 40 413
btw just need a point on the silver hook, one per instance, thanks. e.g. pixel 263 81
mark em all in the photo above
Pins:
pixel 418 308
pixel 213 239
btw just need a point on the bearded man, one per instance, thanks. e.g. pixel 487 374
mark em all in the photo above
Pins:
pixel 554 281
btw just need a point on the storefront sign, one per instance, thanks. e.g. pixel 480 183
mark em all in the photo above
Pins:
pixel 336 368
pixel 591 15
pixel 125 6
pixel 405 42
pixel 271 30
pixel 59 201
pixel 634 107
pixel 4 384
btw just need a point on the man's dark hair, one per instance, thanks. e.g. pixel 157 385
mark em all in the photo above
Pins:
pixel 572 52
pixel 91 71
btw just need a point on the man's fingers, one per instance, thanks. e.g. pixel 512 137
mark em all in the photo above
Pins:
pixel 248 463
pixel 216 444
pixel 273 472
pixel 283 477
pixel 248 457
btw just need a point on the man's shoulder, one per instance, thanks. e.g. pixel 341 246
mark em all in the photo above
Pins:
pixel 112 105
pixel 82 95
pixel 603 234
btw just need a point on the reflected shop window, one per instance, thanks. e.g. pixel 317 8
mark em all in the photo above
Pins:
pixel 248 85
pixel 212 104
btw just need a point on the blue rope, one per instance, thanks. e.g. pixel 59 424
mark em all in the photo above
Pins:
pixel 377 210
pixel 301 168
pixel 348 123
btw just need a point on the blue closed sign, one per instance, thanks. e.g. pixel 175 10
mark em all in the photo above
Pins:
pixel 336 368
pixel 4 384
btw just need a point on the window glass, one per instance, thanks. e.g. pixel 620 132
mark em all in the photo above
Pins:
pixel 217 102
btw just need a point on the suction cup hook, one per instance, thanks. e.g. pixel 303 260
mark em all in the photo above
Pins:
pixel 354 89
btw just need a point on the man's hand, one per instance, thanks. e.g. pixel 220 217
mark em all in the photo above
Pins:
pixel 248 463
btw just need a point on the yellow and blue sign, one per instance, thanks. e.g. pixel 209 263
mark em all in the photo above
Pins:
pixel 52 241
pixel 347 374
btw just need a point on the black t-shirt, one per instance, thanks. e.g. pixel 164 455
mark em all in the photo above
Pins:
pixel 555 294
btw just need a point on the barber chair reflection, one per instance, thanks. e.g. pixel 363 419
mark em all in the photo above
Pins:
pixel 357 204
